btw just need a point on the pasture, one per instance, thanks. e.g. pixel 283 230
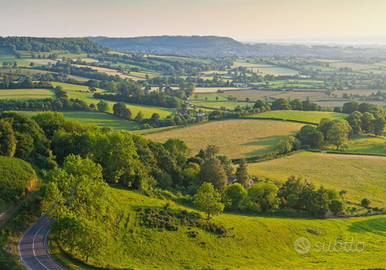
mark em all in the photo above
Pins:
pixel 361 176
pixel 236 138
pixel 265 69
pixel 366 144
pixel 34 93
pixel 253 242
pixel 304 116
pixel 215 89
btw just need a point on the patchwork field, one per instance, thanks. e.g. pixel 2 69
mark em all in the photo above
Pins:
pixel 252 243
pixel 311 117
pixel 34 93
pixel 236 138
pixel 366 144
pixel 215 89
pixel 361 176
pixel 265 69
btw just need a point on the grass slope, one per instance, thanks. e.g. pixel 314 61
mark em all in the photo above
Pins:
pixel 311 117
pixel 34 93
pixel 253 242
pixel 361 176
pixel 236 138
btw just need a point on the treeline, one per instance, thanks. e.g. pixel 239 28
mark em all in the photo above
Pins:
pixel 74 45
pixel 47 104
pixel 8 83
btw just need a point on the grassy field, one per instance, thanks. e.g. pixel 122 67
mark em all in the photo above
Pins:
pixel 213 104
pixel 253 242
pixel 147 110
pixel 95 118
pixel 236 138
pixel 34 93
pixel 366 144
pixel 215 89
pixel 265 69
pixel 361 176
pixel 305 116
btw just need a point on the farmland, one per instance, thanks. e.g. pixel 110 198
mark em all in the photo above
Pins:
pixel 34 93
pixel 304 116
pixel 236 138
pixel 361 176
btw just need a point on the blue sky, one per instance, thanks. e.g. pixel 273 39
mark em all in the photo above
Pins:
pixel 240 19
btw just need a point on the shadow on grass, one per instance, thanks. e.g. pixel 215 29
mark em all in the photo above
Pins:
pixel 376 226
pixel 269 143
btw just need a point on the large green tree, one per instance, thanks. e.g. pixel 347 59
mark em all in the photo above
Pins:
pixel 213 172
pixel 7 140
pixel 208 200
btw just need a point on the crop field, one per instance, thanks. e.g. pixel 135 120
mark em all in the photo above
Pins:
pixel 42 61
pixel 236 138
pixel 340 102
pixel 253 242
pixel 108 71
pixel 265 69
pixel 361 92
pixel 311 117
pixel 34 93
pixel 215 89
pixel 361 176
pixel 213 104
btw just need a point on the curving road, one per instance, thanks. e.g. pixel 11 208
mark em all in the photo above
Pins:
pixel 32 247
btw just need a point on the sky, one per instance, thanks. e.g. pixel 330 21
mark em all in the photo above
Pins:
pixel 244 20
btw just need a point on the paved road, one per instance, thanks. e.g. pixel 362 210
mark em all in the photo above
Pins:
pixel 32 248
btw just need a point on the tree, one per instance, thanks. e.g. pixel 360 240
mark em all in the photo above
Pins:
pixel 297 104
pixel 287 144
pixel 211 151
pixel 208 200
pixel 103 106
pixel 350 107
pixel 378 126
pixel 213 172
pixel 260 104
pixel 336 206
pixel 367 120
pixel 355 121
pixel 309 135
pixel 265 195
pixel 338 133
pixel 7 139
pixel 235 196
pixel 242 176
pixel 155 117
pixel 281 104
pixel 139 117
pixel 32 64
pixel 365 203
pixel 121 110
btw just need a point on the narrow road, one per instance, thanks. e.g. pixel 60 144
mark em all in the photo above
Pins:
pixel 32 247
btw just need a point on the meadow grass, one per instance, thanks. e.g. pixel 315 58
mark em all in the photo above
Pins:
pixel 236 138
pixel 213 104
pixel 305 116
pixel 361 176
pixel 95 118
pixel 253 242
pixel 215 89
pixel 366 144
pixel 34 93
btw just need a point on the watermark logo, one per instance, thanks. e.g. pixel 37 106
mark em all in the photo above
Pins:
pixel 302 246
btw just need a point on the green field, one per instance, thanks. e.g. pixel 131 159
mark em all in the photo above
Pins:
pixel 34 93
pixel 236 138
pixel 95 118
pixel 85 95
pixel 252 243
pixel 366 144
pixel 361 176
pixel 304 116
pixel 213 104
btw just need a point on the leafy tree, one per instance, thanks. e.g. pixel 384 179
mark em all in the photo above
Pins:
pixel 350 107
pixel 338 133
pixel 139 117
pixel 121 110
pixel 211 151
pixel 296 104
pixel 226 162
pixel 309 135
pixel 103 106
pixel 50 122
pixel 213 172
pixel 265 195
pixel 365 203
pixel 235 196
pixel 355 121
pixel 7 140
pixel 287 144
pixel 242 175
pixel 336 206
pixel 260 104
pixel 281 104
pixel 367 120
pixel 378 126
pixel 208 200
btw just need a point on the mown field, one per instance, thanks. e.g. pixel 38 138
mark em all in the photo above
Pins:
pixel 34 93
pixel 252 243
pixel 366 144
pixel 95 118
pixel 305 116
pixel 236 138
pixel 361 176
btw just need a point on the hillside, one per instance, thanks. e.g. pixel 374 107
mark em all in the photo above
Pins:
pixel 252 242
pixel 172 44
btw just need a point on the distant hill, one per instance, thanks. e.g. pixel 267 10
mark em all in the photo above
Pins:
pixel 187 45
pixel 222 46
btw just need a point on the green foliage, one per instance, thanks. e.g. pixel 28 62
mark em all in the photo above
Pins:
pixel 16 177
pixel 235 196
pixel 213 172
pixel 365 203
pixel 287 144
pixel 264 194
pixel 208 200
pixel 7 140
pixel 103 106
pixel 242 175
pixel 281 104
pixel 121 110
pixel 309 135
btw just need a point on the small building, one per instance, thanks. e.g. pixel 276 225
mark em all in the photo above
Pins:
pixel 233 179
